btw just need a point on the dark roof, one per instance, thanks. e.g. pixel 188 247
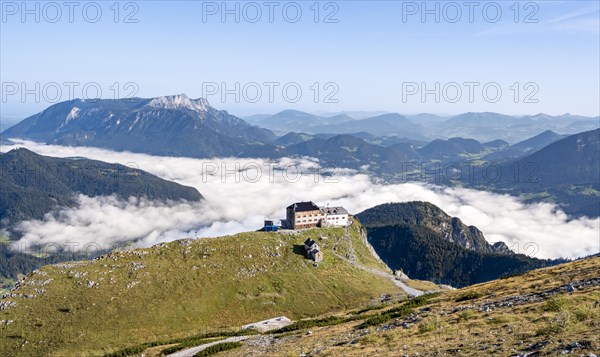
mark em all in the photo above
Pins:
pixel 309 242
pixel 334 210
pixel 304 206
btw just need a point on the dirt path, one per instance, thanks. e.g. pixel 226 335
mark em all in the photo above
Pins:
pixel 410 291
pixel 407 289
pixel 192 351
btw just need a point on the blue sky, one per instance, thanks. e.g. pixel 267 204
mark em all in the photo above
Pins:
pixel 378 55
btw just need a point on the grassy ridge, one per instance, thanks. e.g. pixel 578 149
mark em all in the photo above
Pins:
pixel 182 289
pixel 528 314
pixel 398 311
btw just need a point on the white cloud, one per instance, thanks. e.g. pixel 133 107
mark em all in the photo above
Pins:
pixel 235 205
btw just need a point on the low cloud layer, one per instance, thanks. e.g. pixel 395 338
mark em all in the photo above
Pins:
pixel 238 201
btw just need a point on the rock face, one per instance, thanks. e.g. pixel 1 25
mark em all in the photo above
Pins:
pixel 501 247
pixel 171 125
pixel 425 214
pixel 426 243
pixel 400 275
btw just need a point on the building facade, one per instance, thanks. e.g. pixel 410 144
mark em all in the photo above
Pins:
pixel 335 217
pixel 303 215
pixel 308 215
pixel 317 255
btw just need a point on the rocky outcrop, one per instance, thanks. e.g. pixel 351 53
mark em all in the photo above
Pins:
pixel 427 215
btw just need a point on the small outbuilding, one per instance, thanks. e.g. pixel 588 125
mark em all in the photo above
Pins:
pixel 310 244
pixel 270 226
pixel 313 250
pixel 316 255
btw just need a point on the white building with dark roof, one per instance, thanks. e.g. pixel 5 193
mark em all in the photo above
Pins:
pixel 335 217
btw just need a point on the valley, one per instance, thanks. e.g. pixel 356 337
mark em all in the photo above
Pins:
pixel 478 150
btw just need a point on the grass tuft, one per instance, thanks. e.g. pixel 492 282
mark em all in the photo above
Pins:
pixel 555 304
pixel 471 295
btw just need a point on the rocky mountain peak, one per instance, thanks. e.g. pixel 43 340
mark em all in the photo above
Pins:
pixel 180 101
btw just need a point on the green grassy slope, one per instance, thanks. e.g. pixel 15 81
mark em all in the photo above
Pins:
pixel 533 314
pixel 181 289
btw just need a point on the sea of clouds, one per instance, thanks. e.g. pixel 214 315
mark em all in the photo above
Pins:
pixel 240 193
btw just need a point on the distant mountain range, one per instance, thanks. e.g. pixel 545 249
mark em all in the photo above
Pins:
pixel 490 126
pixel 384 145
pixel 293 138
pixel 566 172
pixel 483 127
pixel 172 125
pixel 454 148
pixel 525 147
pixel 574 160
pixel 32 185
pixel 294 120
pixel 546 168
pixel 352 152
pixel 180 126
pixel 426 243
pixel 380 125
pixel 358 150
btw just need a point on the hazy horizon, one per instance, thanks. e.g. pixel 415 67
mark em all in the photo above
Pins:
pixel 339 55
pixel 18 116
